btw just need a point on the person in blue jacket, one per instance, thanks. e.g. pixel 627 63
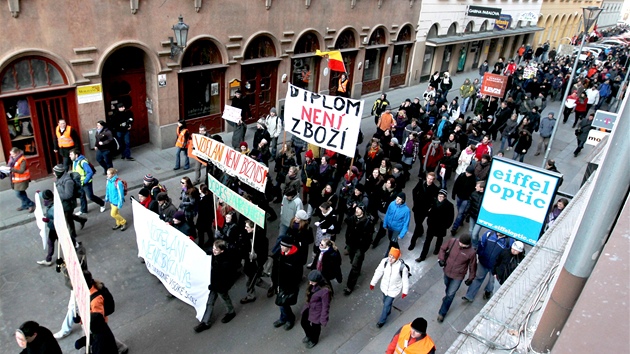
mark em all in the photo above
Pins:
pixel 115 195
pixel 489 249
pixel 397 220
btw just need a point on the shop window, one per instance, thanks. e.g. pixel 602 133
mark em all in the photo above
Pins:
pixel 346 40
pixel 377 37
pixel 304 70
pixel 201 89
pixel 30 73
pixel 20 125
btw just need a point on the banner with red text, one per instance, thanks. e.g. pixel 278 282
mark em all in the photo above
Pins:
pixel 331 122
pixel 230 161
pixel 494 85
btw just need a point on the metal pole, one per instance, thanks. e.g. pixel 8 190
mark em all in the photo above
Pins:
pixel 566 94
pixel 600 214
pixel 621 90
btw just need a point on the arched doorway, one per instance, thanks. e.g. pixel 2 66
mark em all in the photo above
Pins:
pixel 124 82
pixel 402 54
pixel 347 44
pixel 202 86
pixel 374 60
pixel 304 62
pixel 429 52
pixel 259 73
pixel 34 96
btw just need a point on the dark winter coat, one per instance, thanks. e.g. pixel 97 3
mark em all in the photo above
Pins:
pixel 287 272
pixel 331 265
pixel 223 272
pixel 506 264
pixel 490 248
pixel 318 305
pixel 167 210
pixel 440 218
pixel 102 339
pixel 65 187
pixel 523 143
pixel 303 238
pixel 460 260
pixel 482 170
pixel 359 232
pixel 464 186
pixel 44 343
pixel 261 249
pixel 424 197
pixel 475 204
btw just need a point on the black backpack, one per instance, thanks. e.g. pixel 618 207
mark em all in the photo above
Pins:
pixel 108 299
pixel 402 264
pixel 76 178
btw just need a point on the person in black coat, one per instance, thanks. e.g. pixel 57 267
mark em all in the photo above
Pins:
pixel 358 239
pixel 386 195
pixel 102 339
pixel 439 219
pixel 508 261
pixel 462 189
pixel 205 217
pixel 287 272
pixel 179 223
pixel 222 277
pixel 256 257
pixel 33 338
pixel 328 261
pixel 424 194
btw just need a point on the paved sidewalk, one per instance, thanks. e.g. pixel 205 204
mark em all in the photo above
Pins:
pixel 160 163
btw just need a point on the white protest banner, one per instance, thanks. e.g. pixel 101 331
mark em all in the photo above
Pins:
pixel 230 161
pixel 331 122
pixel 39 215
pixel 79 286
pixel 242 205
pixel 530 71
pixel 232 114
pixel 181 266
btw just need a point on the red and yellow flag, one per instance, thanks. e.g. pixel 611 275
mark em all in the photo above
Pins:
pixel 335 60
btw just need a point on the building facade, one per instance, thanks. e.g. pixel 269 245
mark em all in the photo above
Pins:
pixel 611 14
pixel 562 20
pixel 76 59
pixel 449 39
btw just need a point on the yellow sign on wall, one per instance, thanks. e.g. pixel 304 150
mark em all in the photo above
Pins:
pixel 90 93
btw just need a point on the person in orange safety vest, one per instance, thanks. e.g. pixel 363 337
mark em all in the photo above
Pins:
pixel 20 177
pixel 182 143
pixel 65 140
pixel 412 339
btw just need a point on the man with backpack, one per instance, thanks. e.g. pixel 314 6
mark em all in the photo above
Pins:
pixel 394 276
pixel 102 301
pixel 86 170
pixel 115 193
pixel 69 186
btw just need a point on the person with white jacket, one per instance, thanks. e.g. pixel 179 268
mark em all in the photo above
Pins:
pixel 394 277
pixel 592 93
pixel 274 127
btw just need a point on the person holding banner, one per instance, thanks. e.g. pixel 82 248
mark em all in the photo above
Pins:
pixel 257 246
pixel 240 128
pixel 49 218
pixel 222 278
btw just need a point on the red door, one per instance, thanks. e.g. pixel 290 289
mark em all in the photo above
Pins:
pixel 130 89
pixel 260 88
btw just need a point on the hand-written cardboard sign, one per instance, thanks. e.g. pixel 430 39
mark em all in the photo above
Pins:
pixel 230 161
pixel 232 114
pixel 240 204
pixel 75 272
pixel 493 85
pixel 181 266
pixel 330 122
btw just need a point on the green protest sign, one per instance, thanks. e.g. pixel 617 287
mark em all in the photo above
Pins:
pixel 240 204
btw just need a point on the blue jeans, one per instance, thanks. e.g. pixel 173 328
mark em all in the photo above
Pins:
pixel 123 140
pixel 452 285
pixel 104 158
pixel 286 314
pixel 474 232
pixel 87 192
pixel 462 206
pixel 23 197
pixel 505 138
pixel 518 156
pixel 186 158
pixel 68 321
pixel 482 272
pixel 388 301
pixel 464 106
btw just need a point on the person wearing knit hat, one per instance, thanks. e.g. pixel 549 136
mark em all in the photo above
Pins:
pixel 301 215
pixel 396 221
pixel 66 187
pixel 393 274
pixel 260 133
pixel 317 308
pixel 412 338
pixel 309 154
pixel 179 223
pixel 508 260
pixel 244 148
pixel 145 198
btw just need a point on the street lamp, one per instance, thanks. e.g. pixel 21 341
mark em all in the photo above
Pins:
pixel 181 37
pixel 590 16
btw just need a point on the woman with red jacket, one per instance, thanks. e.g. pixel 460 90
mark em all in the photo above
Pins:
pixel 581 108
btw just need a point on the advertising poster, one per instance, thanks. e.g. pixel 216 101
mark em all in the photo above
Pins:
pixel 517 199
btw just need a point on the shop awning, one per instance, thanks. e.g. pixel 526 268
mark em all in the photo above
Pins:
pixel 479 36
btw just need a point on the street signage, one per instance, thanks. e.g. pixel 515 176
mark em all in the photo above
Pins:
pixel 503 22
pixel 605 120
pixel 493 85
pixel 485 12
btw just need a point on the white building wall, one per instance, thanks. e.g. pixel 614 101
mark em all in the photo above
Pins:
pixel 611 13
